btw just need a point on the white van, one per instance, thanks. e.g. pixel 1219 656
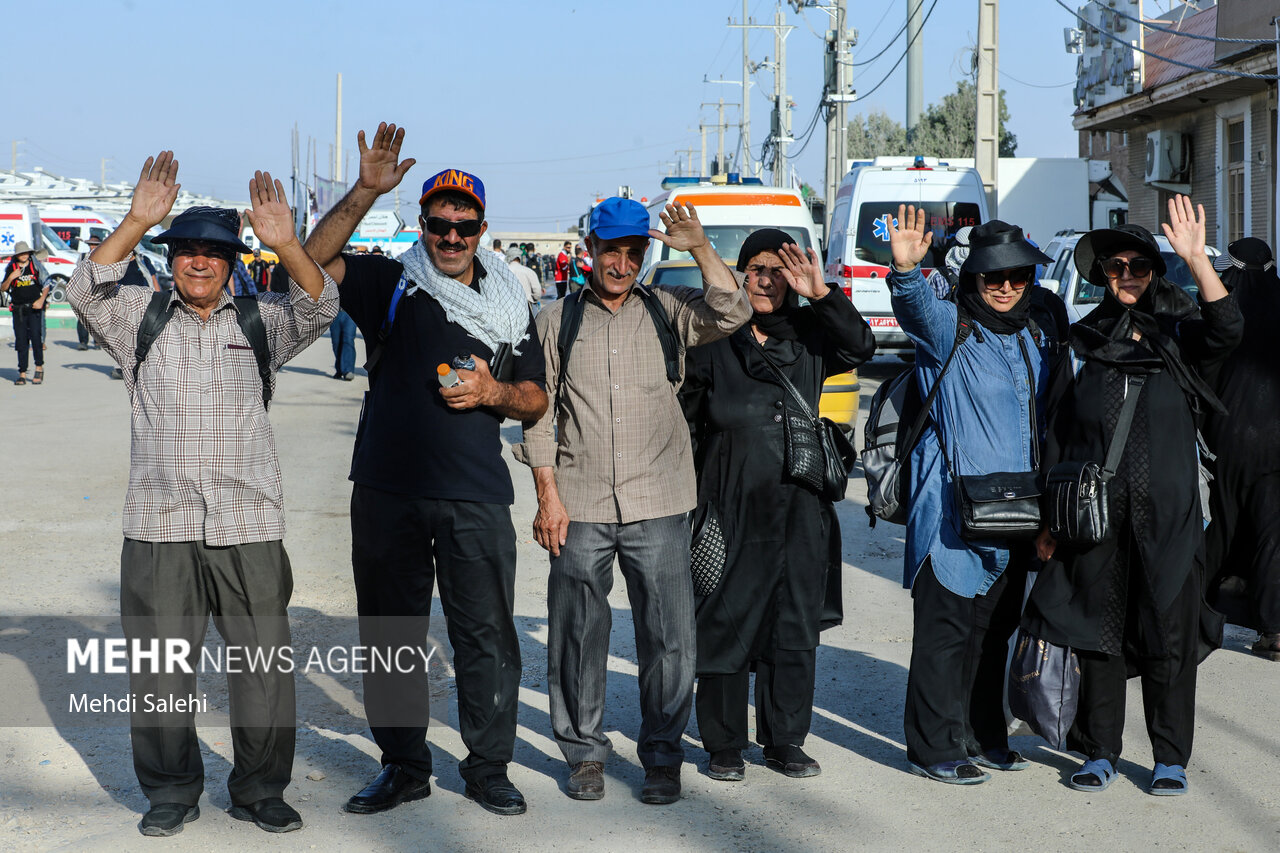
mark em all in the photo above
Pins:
pixel 21 223
pixel 729 212
pixel 75 225
pixel 858 255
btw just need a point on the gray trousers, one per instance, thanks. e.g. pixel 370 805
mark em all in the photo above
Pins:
pixel 168 590
pixel 654 558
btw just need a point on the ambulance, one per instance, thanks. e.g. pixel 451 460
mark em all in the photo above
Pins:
pixel 75 225
pixel 858 255
pixel 21 223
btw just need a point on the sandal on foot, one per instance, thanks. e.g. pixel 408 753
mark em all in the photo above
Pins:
pixel 38 379
pixel 1094 775
pixel 960 772
pixel 21 380
pixel 1168 780
pixel 1001 759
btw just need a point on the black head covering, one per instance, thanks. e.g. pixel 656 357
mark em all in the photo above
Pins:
pixel 1102 243
pixel 210 224
pixel 785 320
pixel 1105 335
pixel 996 245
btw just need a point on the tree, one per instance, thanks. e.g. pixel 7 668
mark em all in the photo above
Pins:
pixel 876 135
pixel 946 129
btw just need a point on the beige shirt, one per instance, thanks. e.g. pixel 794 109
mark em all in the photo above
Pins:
pixel 623 452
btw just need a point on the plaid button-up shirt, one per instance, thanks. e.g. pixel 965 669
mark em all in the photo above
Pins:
pixel 203 460
pixel 614 431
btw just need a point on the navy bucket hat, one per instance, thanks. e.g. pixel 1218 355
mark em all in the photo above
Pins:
pixel 210 224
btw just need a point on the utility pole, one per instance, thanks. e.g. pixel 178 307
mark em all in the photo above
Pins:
pixel 987 135
pixel 337 137
pixel 690 152
pixel 780 132
pixel 915 67
pixel 13 163
pixel 702 128
pixel 744 125
pixel 720 138
pixel 836 96
pixel 102 177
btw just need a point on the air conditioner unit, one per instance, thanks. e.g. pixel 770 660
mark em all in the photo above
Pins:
pixel 1168 155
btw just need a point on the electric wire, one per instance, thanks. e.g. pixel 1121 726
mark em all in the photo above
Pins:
pixel 1151 26
pixel 924 21
pixel 1220 71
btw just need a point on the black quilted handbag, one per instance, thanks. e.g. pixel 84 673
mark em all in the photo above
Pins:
pixel 707 551
pixel 1076 492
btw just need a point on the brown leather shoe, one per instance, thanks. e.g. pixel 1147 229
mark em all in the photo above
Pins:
pixel 586 781
pixel 661 786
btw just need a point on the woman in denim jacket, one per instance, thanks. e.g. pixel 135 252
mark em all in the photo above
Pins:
pixel 967 597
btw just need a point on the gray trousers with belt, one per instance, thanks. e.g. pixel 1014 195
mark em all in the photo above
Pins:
pixel 654 558
pixel 168 590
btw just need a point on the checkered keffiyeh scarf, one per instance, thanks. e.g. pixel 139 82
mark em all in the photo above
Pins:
pixel 498 314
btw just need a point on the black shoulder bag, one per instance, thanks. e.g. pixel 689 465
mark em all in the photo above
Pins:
pixel 816 453
pixel 1076 492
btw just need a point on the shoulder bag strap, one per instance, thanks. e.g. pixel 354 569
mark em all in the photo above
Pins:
pixel 783 380
pixel 1133 386
pixel 373 354
pixel 963 328
pixel 666 332
pixel 250 319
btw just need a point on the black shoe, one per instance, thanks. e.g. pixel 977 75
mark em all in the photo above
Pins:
pixel 496 794
pixel 726 765
pixel 661 786
pixel 272 814
pixel 82 347
pixel 790 760
pixel 167 819
pixel 116 374
pixel 392 787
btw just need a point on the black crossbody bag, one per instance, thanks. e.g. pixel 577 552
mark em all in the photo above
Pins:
pixel 1004 505
pixel 1076 492
pixel 815 451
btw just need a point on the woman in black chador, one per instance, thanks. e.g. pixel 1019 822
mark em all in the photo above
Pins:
pixel 782 539
pixel 1244 536
pixel 1133 603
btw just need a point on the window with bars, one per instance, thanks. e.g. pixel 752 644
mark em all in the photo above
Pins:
pixel 1235 179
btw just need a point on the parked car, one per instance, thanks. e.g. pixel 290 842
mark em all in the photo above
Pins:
pixel 839 393
pixel 1080 295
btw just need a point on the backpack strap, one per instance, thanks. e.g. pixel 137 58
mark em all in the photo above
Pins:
pixel 159 310
pixel 570 322
pixel 374 352
pixel 251 326
pixel 666 332
pixel 964 327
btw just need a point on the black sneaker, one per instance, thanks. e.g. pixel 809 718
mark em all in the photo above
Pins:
pixel 726 765
pixel 790 760
pixel 167 819
pixel 272 815
pixel 661 786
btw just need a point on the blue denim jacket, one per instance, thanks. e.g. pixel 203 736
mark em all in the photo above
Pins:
pixel 982 411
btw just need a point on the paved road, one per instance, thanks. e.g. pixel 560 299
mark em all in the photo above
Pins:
pixel 69 785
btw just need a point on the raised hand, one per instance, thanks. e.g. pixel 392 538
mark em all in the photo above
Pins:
pixel 907 238
pixel 1185 228
pixel 684 231
pixel 156 190
pixel 803 273
pixel 381 169
pixel 271 218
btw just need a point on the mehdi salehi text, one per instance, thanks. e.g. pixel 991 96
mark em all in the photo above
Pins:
pixel 130 703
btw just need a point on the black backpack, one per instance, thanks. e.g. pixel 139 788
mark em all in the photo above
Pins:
pixel 571 321
pixel 161 308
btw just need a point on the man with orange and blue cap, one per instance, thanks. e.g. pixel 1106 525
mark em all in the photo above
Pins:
pixel 432 495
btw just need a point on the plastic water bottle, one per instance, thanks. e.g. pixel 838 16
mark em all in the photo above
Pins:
pixel 448 376
pixel 464 361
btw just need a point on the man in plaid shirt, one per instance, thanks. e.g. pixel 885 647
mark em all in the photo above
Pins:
pixel 204 516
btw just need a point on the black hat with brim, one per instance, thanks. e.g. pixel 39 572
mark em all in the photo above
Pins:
pixel 1103 243
pixel 996 245
pixel 210 224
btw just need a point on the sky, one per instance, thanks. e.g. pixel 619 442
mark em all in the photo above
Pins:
pixel 552 103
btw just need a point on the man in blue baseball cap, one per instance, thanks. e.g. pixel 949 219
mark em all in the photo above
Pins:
pixel 618 480
pixel 432 494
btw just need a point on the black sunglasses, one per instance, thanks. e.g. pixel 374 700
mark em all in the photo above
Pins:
pixel 1017 277
pixel 1137 267
pixel 441 227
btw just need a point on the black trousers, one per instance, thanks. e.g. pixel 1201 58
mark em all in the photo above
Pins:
pixel 28 331
pixel 168 590
pixel 959 647
pixel 1168 682
pixel 1262 509
pixel 400 546
pixel 784 702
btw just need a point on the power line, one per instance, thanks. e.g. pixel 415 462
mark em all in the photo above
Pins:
pixel 1150 26
pixel 919 32
pixel 1221 71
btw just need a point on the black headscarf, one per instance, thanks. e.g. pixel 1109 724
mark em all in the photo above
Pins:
pixel 996 245
pixel 789 320
pixel 1000 322
pixel 1105 335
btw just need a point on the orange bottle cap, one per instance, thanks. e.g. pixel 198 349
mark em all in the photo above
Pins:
pixel 443 369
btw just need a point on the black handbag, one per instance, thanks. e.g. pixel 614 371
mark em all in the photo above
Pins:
pixel 707 550
pixel 816 453
pixel 1003 505
pixel 1076 492
pixel 1044 687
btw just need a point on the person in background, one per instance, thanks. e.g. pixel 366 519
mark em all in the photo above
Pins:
pixel 563 261
pixel 527 277
pixel 579 270
pixel 1133 603
pixel 260 273
pixel 342 334
pixel 23 280
pixel 82 331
